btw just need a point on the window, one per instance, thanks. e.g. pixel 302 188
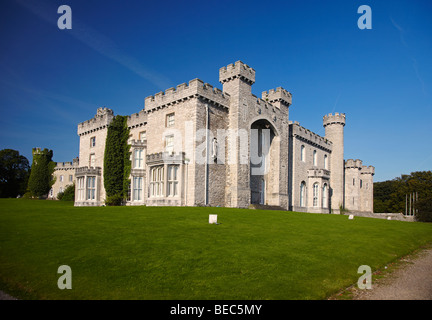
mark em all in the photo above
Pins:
pixel 138 159
pixel 60 189
pixel 315 195
pixel 80 188
pixel 303 153
pixel 91 188
pixel 353 181
pixel 92 160
pixel 324 196
pixel 169 143
pixel 315 158
pixel 92 142
pixel 51 193
pixel 137 188
pixel 172 180
pixel 61 178
pixel 70 178
pixel 156 181
pixel 143 135
pixel 302 194
pixel 170 120
pixel 361 183
pixel 325 162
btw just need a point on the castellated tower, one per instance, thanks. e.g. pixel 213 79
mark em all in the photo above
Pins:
pixel 237 80
pixel 334 131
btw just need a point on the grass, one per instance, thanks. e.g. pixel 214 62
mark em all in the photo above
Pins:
pixel 173 253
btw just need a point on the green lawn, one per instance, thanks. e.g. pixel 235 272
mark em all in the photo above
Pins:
pixel 173 253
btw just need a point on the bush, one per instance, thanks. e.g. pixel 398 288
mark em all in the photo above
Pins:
pixel 60 195
pixel 69 193
pixel 114 200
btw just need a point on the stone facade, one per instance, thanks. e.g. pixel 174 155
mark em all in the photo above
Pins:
pixel 198 145
pixel 64 175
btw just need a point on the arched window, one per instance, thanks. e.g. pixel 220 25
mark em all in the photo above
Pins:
pixel 325 162
pixel 303 194
pixel 303 153
pixel 324 196
pixel 315 194
pixel 315 158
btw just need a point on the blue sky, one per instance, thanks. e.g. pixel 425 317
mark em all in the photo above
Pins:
pixel 119 52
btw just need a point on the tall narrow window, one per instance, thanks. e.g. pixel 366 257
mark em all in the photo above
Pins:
pixel 170 120
pixel 91 188
pixel 302 194
pixel 324 196
pixel 138 158
pixel 325 162
pixel 70 178
pixel 92 142
pixel 169 143
pixel 315 194
pixel 137 188
pixel 92 160
pixel 172 180
pixel 315 158
pixel 302 153
pixel 143 135
pixel 80 188
pixel 61 178
pixel 156 181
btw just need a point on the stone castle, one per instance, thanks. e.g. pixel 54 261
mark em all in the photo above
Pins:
pixel 198 145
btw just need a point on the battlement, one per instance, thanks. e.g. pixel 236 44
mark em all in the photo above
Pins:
pixel 350 163
pixel 237 70
pixel 337 118
pixel 82 171
pixel 296 130
pixel 67 165
pixel 39 151
pixel 195 88
pixel 279 95
pixel 165 157
pixel 137 119
pixel 100 121
pixel 138 143
pixel 367 170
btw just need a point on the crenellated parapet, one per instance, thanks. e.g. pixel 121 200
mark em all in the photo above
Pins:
pixel 195 89
pixel 351 163
pixel 279 95
pixel 310 137
pixel 101 120
pixel 137 119
pixel 237 70
pixel 67 165
pixel 165 157
pixel 337 118
pixel 368 170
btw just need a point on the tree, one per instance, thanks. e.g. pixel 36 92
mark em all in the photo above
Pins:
pixel 391 195
pixel 41 176
pixel 117 161
pixel 14 173
pixel 68 194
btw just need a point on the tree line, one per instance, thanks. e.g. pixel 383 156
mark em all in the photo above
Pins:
pixel 394 195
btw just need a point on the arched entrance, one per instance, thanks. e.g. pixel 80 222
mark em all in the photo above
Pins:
pixel 261 150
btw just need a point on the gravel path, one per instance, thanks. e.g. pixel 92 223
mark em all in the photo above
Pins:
pixel 5 296
pixel 411 281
